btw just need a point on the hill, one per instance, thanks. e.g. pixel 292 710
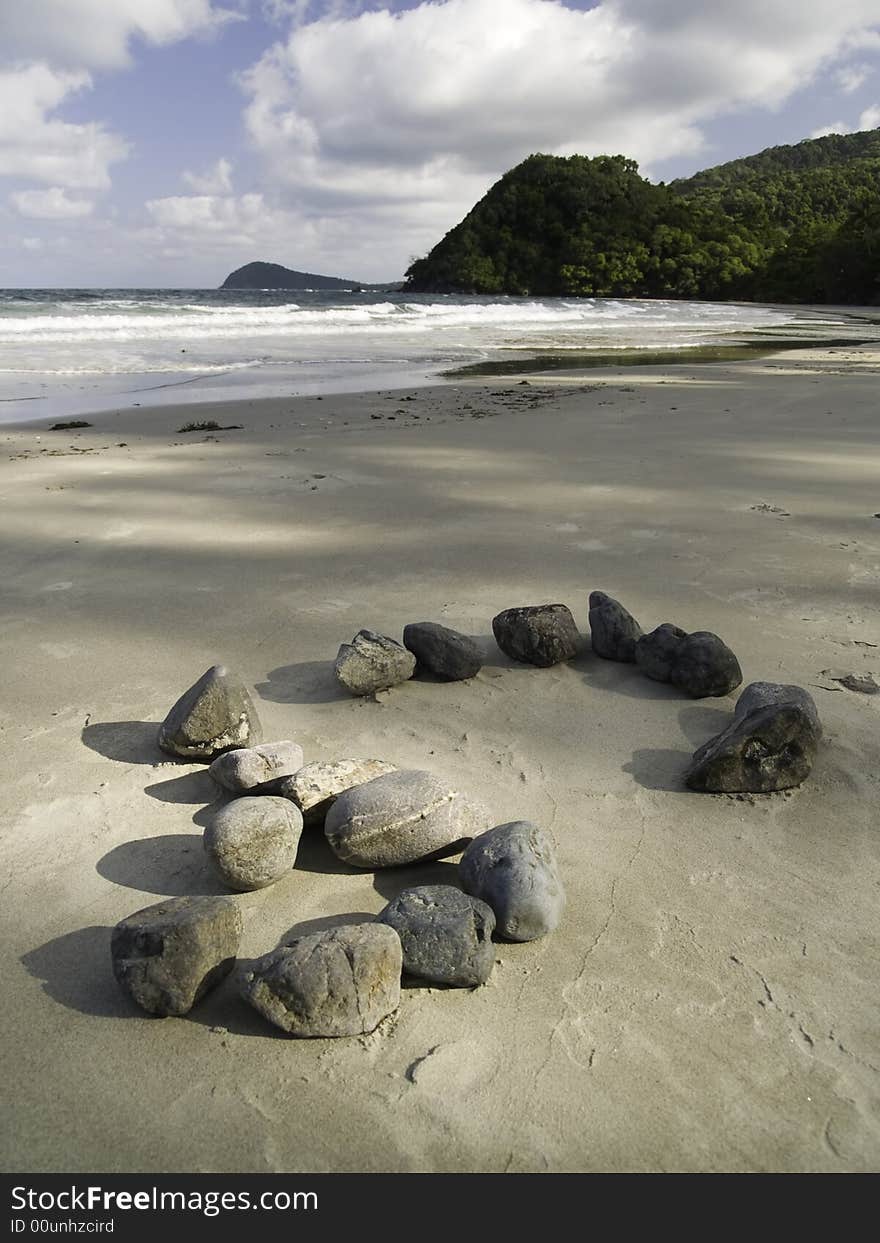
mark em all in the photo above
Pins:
pixel 274 276
pixel 798 223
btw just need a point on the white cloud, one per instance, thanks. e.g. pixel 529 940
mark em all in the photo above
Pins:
pixel 851 77
pixel 406 118
pixel 36 146
pixel 869 119
pixel 221 221
pixel 216 180
pixel 52 204
pixel 97 33
pixel 836 127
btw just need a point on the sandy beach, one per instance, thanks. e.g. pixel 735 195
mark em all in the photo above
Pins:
pixel 710 1000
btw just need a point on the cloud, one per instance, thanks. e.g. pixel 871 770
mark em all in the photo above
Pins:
pixel 217 180
pixel 407 117
pixel 97 33
pixel 36 146
pixel 836 127
pixel 224 221
pixel 52 204
pixel 851 77
pixel 869 119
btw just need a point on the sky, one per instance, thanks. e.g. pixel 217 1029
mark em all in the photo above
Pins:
pixel 163 143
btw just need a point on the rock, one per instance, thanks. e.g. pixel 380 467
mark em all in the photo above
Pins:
pixel 614 631
pixel 700 664
pixel 252 841
pixel 513 868
pixel 704 665
pixel 656 651
pixel 373 662
pixel 247 768
pixel 763 694
pixel 315 787
pixel 399 818
pixel 443 652
pixel 341 982
pixel 168 956
pixel 539 634
pixel 214 715
pixel 446 934
pixel 770 744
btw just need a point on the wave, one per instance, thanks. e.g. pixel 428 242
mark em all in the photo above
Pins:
pixel 124 320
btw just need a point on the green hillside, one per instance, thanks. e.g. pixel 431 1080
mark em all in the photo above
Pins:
pixel 798 223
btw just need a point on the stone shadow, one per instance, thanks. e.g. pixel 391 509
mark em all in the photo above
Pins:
pixel 622 678
pixel 196 787
pixel 310 682
pixel 700 722
pixel 172 865
pixel 659 769
pixel 76 972
pixel 389 882
pixel 128 742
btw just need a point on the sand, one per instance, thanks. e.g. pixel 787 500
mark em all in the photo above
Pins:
pixel 710 1001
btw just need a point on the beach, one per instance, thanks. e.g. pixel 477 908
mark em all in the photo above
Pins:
pixel 709 1000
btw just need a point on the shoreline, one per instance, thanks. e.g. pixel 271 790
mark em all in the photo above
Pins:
pixel 707 1002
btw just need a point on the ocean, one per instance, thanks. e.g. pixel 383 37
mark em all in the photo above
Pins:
pixel 72 351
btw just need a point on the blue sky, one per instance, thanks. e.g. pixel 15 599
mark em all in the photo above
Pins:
pixel 166 142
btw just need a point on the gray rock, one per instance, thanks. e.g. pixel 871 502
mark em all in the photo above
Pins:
pixel 537 634
pixel 614 630
pixel 513 868
pixel 704 665
pixel 373 662
pixel 247 768
pixel 342 982
pixel 316 786
pixel 446 934
pixel 252 841
pixel 770 744
pixel 168 956
pixel 655 652
pixel 399 818
pixel 214 715
pixel 443 652
pixel 764 694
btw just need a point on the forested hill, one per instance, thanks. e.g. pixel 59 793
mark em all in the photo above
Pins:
pixel 798 223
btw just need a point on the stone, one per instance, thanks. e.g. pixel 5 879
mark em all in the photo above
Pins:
pixel 655 652
pixel 248 768
pixel 315 787
pixel 770 744
pixel 401 817
pixel 342 982
pixel 613 629
pixel 538 634
pixel 513 868
pixel 763 694
pixel 446 934
pixel 168 956
pixel 373 662
pixel 252 841
pixel 704 665
pixel 443 652
pixel 214 715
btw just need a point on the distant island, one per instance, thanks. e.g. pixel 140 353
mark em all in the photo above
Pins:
pixel 274 276
pixel 792 224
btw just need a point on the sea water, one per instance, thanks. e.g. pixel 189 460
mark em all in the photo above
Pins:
pixel 73 351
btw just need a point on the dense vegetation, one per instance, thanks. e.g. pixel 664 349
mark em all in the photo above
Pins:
pixel 798 224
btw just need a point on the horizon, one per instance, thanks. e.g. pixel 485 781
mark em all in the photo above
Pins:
pixel 161 145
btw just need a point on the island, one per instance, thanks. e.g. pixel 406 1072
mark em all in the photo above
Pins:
pixel 274 276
